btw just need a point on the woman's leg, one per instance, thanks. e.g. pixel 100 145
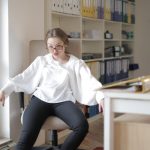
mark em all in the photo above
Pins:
pixel 33 118
pixel 73 116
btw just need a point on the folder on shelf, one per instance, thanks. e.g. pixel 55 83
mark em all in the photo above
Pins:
pixel 107 11
pixel 140 84
pixel 132 13
pixel 54 5
pixel 76 7
pixel 102 72
pixel 107 72
pixel 100 9
pixel 114 70
pixel 94 68
pixel 61 5
pixel 112 8
pixel 89 8
pixel 94 8
pixel 120 10
pixel 83 7
pixel 118 70
pixel 129 12
pixel 124 11
pixel 67 6
pixel 125 68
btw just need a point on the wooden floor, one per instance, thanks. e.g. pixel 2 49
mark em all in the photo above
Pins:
pixel 95 136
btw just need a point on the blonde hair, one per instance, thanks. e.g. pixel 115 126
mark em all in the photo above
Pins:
pixel 58 33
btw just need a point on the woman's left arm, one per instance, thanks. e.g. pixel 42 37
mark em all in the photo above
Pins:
pixel 90 87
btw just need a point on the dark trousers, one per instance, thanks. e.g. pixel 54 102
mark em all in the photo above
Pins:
pixel 38 111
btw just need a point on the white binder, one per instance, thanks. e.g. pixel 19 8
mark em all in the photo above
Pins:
pixel 67 6
pixel 76 7
pixel 61 5
pixel 54 5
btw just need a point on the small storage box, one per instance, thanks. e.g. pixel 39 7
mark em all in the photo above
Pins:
pixel 132 132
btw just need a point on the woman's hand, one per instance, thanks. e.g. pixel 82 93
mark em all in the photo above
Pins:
pixel 2 97
pixel 101 106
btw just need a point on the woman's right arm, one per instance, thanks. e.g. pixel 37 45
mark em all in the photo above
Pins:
pixel 27 81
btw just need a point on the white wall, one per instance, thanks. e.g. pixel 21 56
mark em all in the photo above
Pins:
pixel 4 65
pixel 26 22
pixel 142 40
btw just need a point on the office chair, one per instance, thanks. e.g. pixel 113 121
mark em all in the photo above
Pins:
pixel 52 123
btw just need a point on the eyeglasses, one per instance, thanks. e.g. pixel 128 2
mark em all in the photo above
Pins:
pixel 57 47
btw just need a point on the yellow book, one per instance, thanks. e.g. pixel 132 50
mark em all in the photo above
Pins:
pixel 129 12
pixel 89 8
pixel 107 10
pixel 83 7
pixel 95 9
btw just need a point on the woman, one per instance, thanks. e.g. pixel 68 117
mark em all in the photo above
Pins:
pixel 55 81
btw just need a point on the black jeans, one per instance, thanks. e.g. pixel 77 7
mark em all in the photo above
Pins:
pixel 38 111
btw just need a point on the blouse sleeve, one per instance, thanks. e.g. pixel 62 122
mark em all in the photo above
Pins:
pixel 27 81
pixel 89 87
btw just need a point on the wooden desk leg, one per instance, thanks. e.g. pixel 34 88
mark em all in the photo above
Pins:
pixel 108 124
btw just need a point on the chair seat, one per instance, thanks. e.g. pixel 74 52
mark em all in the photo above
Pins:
pixel 54 123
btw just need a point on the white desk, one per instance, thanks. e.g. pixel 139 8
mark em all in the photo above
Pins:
pixel 122 102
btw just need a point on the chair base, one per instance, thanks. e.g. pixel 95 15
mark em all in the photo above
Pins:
pixel 43 148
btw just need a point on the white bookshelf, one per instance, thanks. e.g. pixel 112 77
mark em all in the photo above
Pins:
pixel 91 32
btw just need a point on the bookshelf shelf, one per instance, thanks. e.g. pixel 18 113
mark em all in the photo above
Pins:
pixel 127 56
pixel 120 57
pixel 92 19
pixel 64 14
pixel 112 40
pixel 94 60
pixel 94 40
pixel 127 24
pixel 127 40
pixel 74 39
pixel 112 22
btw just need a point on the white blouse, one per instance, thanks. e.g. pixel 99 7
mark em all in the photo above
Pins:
pixel 53 82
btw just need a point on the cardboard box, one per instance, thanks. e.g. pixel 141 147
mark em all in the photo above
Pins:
pixel 132 132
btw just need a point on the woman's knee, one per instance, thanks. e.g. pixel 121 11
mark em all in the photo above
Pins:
pixel 82 126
